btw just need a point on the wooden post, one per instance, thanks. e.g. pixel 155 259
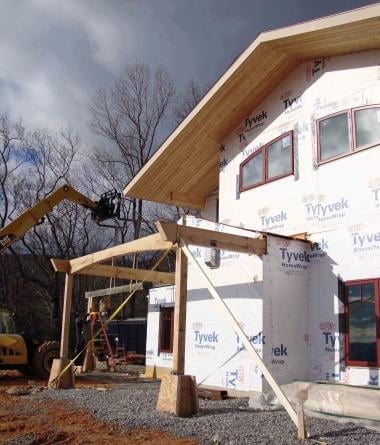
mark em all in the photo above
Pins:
pixel 67 299
pixel 179 336
pixel 239 331
pixel 61 374
pixel 178 392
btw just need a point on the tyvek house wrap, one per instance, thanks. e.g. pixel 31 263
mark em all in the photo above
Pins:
pixel 269 303
pixel 336 203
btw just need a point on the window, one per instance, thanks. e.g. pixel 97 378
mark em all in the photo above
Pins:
pixel 271 162
pixel 348 131
pixel 362 304
pixel 166 329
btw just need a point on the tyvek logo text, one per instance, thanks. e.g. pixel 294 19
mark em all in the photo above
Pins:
pixel 322 212
pixel 274 221
pixel 363 242
pixel 279 352
pixel 331 341
pixel 205 340
pixel 376 196
pixel 295 260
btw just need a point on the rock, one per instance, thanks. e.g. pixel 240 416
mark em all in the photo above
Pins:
pixel 18 391
pixel 36 390
pixel 216 439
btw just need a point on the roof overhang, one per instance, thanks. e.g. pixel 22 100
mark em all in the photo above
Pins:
pixel 184 171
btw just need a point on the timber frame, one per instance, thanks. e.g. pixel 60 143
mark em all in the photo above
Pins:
pixel 173 236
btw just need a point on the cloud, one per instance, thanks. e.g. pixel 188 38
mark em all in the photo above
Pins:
pixel 56 53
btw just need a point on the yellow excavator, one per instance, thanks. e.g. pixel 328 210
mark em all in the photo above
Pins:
pixel 17 352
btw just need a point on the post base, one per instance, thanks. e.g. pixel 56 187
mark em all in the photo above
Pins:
pixel 89 360
pixel 178 395
pixel 64 381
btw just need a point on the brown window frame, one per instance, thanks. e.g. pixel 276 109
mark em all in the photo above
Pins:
pixel 264 150
pixel 351 134
pixel 164 310
pixel 376 282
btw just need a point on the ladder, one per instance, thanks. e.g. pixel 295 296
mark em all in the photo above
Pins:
pixel 102 345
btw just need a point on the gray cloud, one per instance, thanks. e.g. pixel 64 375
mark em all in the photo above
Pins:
pixel 55 53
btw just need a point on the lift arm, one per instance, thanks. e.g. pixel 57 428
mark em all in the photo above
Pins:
pixel 105 208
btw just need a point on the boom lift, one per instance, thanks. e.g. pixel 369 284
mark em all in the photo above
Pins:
pixel 107 207
pixel 17 352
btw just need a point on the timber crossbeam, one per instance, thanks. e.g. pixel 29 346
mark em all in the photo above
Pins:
pixel 209 238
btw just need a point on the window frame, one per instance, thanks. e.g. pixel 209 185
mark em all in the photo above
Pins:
pixel 364 147
pixel 351 133
pixel 376 282
pixel 163 310
pixel 264 166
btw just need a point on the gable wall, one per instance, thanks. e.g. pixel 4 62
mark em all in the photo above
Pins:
pixel 338 203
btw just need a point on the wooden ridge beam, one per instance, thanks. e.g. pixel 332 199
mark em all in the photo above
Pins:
pixel 210 238
pixel 146 244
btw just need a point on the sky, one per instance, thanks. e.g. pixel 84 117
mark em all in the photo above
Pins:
pixel 55 54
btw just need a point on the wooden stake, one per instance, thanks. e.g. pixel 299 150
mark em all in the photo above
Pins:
pixel 64 352
pixel 302 433
pixel 180 313
pixel 248 345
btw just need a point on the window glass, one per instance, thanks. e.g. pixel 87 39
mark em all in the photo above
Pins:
pixel 166 329
pixel 252 171
pixel 279 157
pixel 362 323
pixel 367 126
pixel 334 136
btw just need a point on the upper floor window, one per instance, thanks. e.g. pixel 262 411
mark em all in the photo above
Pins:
pixel 272 161
pixel 362 307
pixel 348 131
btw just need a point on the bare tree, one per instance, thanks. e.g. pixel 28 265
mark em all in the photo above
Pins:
pixel 33 165
pixel 130 118
pixel 187 100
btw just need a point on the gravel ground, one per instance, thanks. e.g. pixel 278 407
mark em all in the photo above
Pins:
pixel 132 405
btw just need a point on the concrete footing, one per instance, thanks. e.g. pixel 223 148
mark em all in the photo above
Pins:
pixel 178 395
pixel 64 381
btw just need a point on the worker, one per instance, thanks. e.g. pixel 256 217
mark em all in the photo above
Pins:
pixel 79 333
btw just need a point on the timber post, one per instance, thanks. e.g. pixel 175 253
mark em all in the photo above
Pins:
pixel 178 392
pixel 179 336
pixel 61 375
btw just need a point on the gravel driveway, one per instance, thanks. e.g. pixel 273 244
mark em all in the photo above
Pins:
pixel 132 406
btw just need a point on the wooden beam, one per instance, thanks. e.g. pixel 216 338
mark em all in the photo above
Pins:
pixel 187 201
pixel 300 236
pixel 114 290
pixel 149 243
pixel 127 273
pixel 67 299
pixel 200 268
pixel 179 337
pixel 60 265
pixel 210 238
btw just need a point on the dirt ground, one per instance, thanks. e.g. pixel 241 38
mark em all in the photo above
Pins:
pixel 56 422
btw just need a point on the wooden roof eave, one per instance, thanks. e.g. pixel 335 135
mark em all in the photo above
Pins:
pixel 187 162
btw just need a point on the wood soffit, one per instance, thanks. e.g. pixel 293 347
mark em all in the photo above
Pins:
pixel 186 166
